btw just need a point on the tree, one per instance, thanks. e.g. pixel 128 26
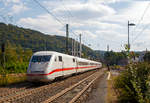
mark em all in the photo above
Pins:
pixel 114 58
pixel 147 57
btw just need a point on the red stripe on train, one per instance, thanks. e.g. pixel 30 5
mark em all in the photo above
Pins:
pixel 58 70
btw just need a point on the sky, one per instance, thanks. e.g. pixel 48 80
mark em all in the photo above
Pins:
pixel 100 22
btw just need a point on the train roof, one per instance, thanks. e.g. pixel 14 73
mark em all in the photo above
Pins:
pixel 51 53
pixel 57 53
pixel 45 53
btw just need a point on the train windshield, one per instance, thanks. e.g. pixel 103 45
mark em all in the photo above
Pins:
pixel 44 58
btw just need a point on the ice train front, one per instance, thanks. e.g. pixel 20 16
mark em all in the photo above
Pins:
pixel 38 67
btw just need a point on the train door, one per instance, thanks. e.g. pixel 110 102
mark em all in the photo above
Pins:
pixel 60 65
pixel 76 64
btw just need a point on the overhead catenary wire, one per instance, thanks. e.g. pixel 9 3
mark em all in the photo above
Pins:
pixel 48 12
pixel 140 33
pixel 66 9
pixel 102 39
pixel 142 17
pixel 51 14
pixel 2 17
pixel 56 18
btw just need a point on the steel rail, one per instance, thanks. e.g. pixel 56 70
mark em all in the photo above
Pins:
pixel 52 98
pixel 24 93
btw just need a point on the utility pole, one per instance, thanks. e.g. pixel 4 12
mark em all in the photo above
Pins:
pixel 67 39
pixel 77 49
pixel 80 46
pixel 3 53
pixel 128 38
pixel 72 47
pixel 146 50
pixel 45 45
pixel 129 24
pixel 108 48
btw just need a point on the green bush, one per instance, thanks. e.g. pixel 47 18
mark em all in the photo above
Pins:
pixel 16 67
pixel 134 84
pixel 16 59
pixel 10 79
pixel 147 57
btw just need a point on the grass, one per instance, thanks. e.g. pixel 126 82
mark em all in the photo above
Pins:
pixel 111 94
pixel 11 79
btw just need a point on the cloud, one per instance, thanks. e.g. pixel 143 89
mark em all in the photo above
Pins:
pixel 12 1
pixel 112 36
pixel 86 33
pixel 44 23
pixel 86 11
pixel 13 7
pixel 7 2
pixel 85 20
pixel 83 12
pixel 142 40
pixel 17 8
pixel 97 20
pixel 106 1
pixel 135 11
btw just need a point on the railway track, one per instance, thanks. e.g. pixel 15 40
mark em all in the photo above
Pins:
pixel 6 91
pixel 44 93
pixel 21 93
pixel 71 94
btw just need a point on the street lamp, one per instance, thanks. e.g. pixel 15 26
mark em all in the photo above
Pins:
pixel 129 24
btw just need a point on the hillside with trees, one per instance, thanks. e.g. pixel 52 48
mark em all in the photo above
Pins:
pixel 37 41
pixel 20 43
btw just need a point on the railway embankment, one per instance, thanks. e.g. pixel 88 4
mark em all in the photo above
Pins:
pixel 102 91
pixel 9 79
pixel 28 93
pixel 89 87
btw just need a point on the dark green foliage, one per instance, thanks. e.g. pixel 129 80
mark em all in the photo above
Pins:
pixel 37 41
pixel 134 84
pixel 147 57
pixel 16 59
pixel 114 58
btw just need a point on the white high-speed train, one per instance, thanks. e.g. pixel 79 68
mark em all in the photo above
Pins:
pixel 47 65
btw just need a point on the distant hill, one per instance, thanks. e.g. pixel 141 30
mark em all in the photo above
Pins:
pixel 37 41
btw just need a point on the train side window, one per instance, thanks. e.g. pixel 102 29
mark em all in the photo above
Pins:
pixel 60 58
pixel 73 60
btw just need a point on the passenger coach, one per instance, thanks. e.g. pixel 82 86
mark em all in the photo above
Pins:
pixel 48 65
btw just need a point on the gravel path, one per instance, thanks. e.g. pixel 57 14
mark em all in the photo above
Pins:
pixel 99 93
